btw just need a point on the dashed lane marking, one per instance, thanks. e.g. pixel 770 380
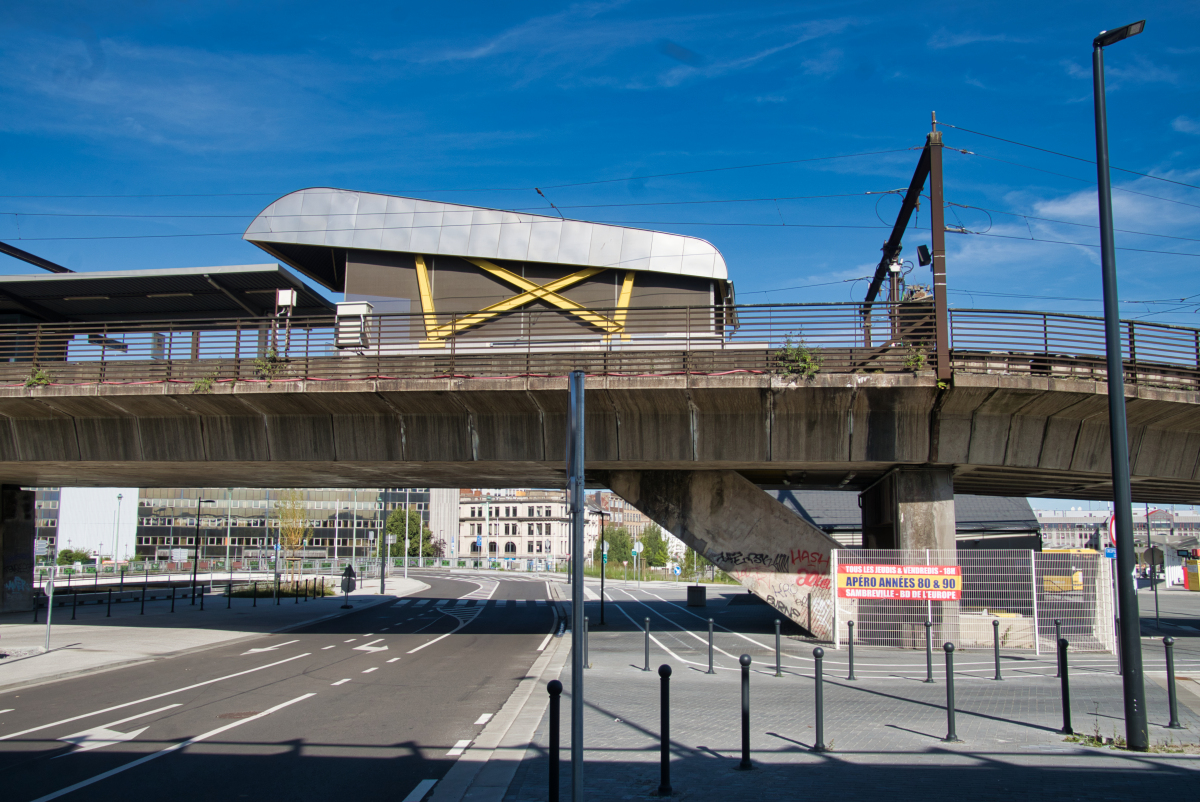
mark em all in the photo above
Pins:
pixel 394 659
pixel 483 719
pixel 545 642
pixel 341 681
pixel 369 670
pixel 350 641
pixel 459 748
pixel 418 793
pixel 323 648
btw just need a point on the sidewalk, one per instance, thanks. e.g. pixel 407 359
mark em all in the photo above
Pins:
pixel 884 731
pixel 94 642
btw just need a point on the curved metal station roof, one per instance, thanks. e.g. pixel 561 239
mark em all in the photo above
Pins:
pixel 324 218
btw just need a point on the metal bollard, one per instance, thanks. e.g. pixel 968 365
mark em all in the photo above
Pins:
pixel 254 593
pixel 744 660
pixel 37 603
pixel 75 603
pixel 928 651
pixel 229 595
pixel 587 663
pixel 1057 638
pixel 108 611
pixel 996 647
pixel 202 595
pixel 710 647
pixel 647 667
pixel 951 735
pixel 664 773
pixel 306 591
pixel 295 595
pixel 172 598
pixel 819 676
pixel 850 624
pixel 1169 643
pixel 778 664
pixel 554 687
pixel 1064 673
pixel 143 610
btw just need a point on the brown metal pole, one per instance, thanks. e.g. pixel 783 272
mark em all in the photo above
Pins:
pixel 937 222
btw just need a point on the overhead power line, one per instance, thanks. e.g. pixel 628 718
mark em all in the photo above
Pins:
pixel 1066 155
pixel 1068 222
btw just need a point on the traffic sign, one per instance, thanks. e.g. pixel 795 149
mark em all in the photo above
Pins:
pixel 678 570
pixel 606 547
pixel 1110 552
pixel 637 547
pixel 606 557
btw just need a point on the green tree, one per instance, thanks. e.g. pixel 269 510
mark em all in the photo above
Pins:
pixel 72 556
pixel 420 538
pixel 655 545
pixel 620 546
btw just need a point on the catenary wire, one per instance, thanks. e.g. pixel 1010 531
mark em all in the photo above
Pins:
pixel 1068 222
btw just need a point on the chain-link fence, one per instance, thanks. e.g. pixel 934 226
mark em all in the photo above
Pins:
pixel 890 594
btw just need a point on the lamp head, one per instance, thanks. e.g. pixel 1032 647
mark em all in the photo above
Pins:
pixel 1106 38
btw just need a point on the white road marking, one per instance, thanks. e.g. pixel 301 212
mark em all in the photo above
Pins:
pixel 545 642
pixel 369 670
pixel 459 748
pixel 8 710
pixel 269 648
pixel 340 682
pixel 169 750
pixel 422 602
pixel 371 647
pixel 151 698
pixel 589 594
pixel 483 719
pixel 369 634
pixel 394 659
pixel 418 793
pixel 105 735
pixel 385 629
pixel 323 648
pixel 350 641
pixel 442 602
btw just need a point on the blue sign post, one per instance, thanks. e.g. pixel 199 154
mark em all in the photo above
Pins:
pixel 1110 553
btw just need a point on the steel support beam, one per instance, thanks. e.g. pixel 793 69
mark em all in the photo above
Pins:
pixel 937 225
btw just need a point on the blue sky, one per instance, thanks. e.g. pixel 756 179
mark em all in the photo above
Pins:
pixel 218 107
pixel 237 103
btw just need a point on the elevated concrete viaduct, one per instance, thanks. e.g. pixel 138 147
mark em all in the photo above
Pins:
pixel 689 450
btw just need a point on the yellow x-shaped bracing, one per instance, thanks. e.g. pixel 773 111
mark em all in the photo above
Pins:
pixel 531 292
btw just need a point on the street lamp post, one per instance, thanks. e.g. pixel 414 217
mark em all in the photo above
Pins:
pixel 117 533
pixel 1136 734
pixel 200 502
pixel 603 561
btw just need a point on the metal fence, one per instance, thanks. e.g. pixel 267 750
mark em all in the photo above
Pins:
pixel 1025 591
pixel 791 339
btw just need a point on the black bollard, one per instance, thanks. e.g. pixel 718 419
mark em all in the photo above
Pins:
pixel 254 593
pixel 554 687
pixel 647 667
pixel 996 647
pixel 108 613
pixel 172 598
pixel 306 591
pixel 929 651
pixel 295 595
pixel 1064 673
pixel 1172 702
pixel 587 663
pixel 850 625
pixel 951 735
pixel 74 604
pixel 143 610
pixel 778 663
pixel 664 773
pixel 1058 655
pixel 229 595
pixel 745 663
pixel 203 593
pixel 37 603
pixel 819 676
pixel 710 647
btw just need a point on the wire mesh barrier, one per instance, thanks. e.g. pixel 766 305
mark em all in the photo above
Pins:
pixel 889 595
pixel 792 340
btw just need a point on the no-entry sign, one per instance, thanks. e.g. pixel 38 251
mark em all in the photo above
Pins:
pixel 916 582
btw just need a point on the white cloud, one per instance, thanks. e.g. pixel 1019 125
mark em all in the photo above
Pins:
pixel 1185 125
pixel 943 39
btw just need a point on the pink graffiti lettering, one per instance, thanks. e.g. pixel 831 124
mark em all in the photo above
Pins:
pixel 809 558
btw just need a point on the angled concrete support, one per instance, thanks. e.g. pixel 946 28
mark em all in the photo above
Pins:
pixel 772 551
pixel 16 549
pixel 910 508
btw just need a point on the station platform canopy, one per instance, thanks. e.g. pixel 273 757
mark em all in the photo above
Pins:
pixel 178 294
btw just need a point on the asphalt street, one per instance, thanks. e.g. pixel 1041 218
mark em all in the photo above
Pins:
pixel 379 703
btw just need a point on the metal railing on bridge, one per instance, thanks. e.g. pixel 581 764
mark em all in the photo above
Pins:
pixel 800 340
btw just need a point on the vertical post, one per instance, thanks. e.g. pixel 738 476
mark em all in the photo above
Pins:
pixel 202 595
pixel 603 561
pixel 819 699
pixel 1066 687
pixel 1037 638
pixel 937 224
pixel 646 630
pixel 928 650
pixel 37 604
pixel 1132 681
pixel 49 606
pixel 587 661
pixel 108 610
pixel 850 641
pixel 744 660
pixel 75 602
pixel 664 772
pixel 143 610
pixel 951 735
pixel 710 648
pixel 1172 702
pixel 996 646
pixel 254 593
pixel 833 564
pixel 778 661
pixel 229 595
pixel 575 479
pixel 1057 650
pixel 172 597
pixel 555 688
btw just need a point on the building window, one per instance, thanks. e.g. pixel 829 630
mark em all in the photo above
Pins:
pixel 474 547
pixel 529 547
pixel 492 547
pixel 510 548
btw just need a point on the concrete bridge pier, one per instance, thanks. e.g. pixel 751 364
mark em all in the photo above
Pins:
pixel 773 552
pixel 17 520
